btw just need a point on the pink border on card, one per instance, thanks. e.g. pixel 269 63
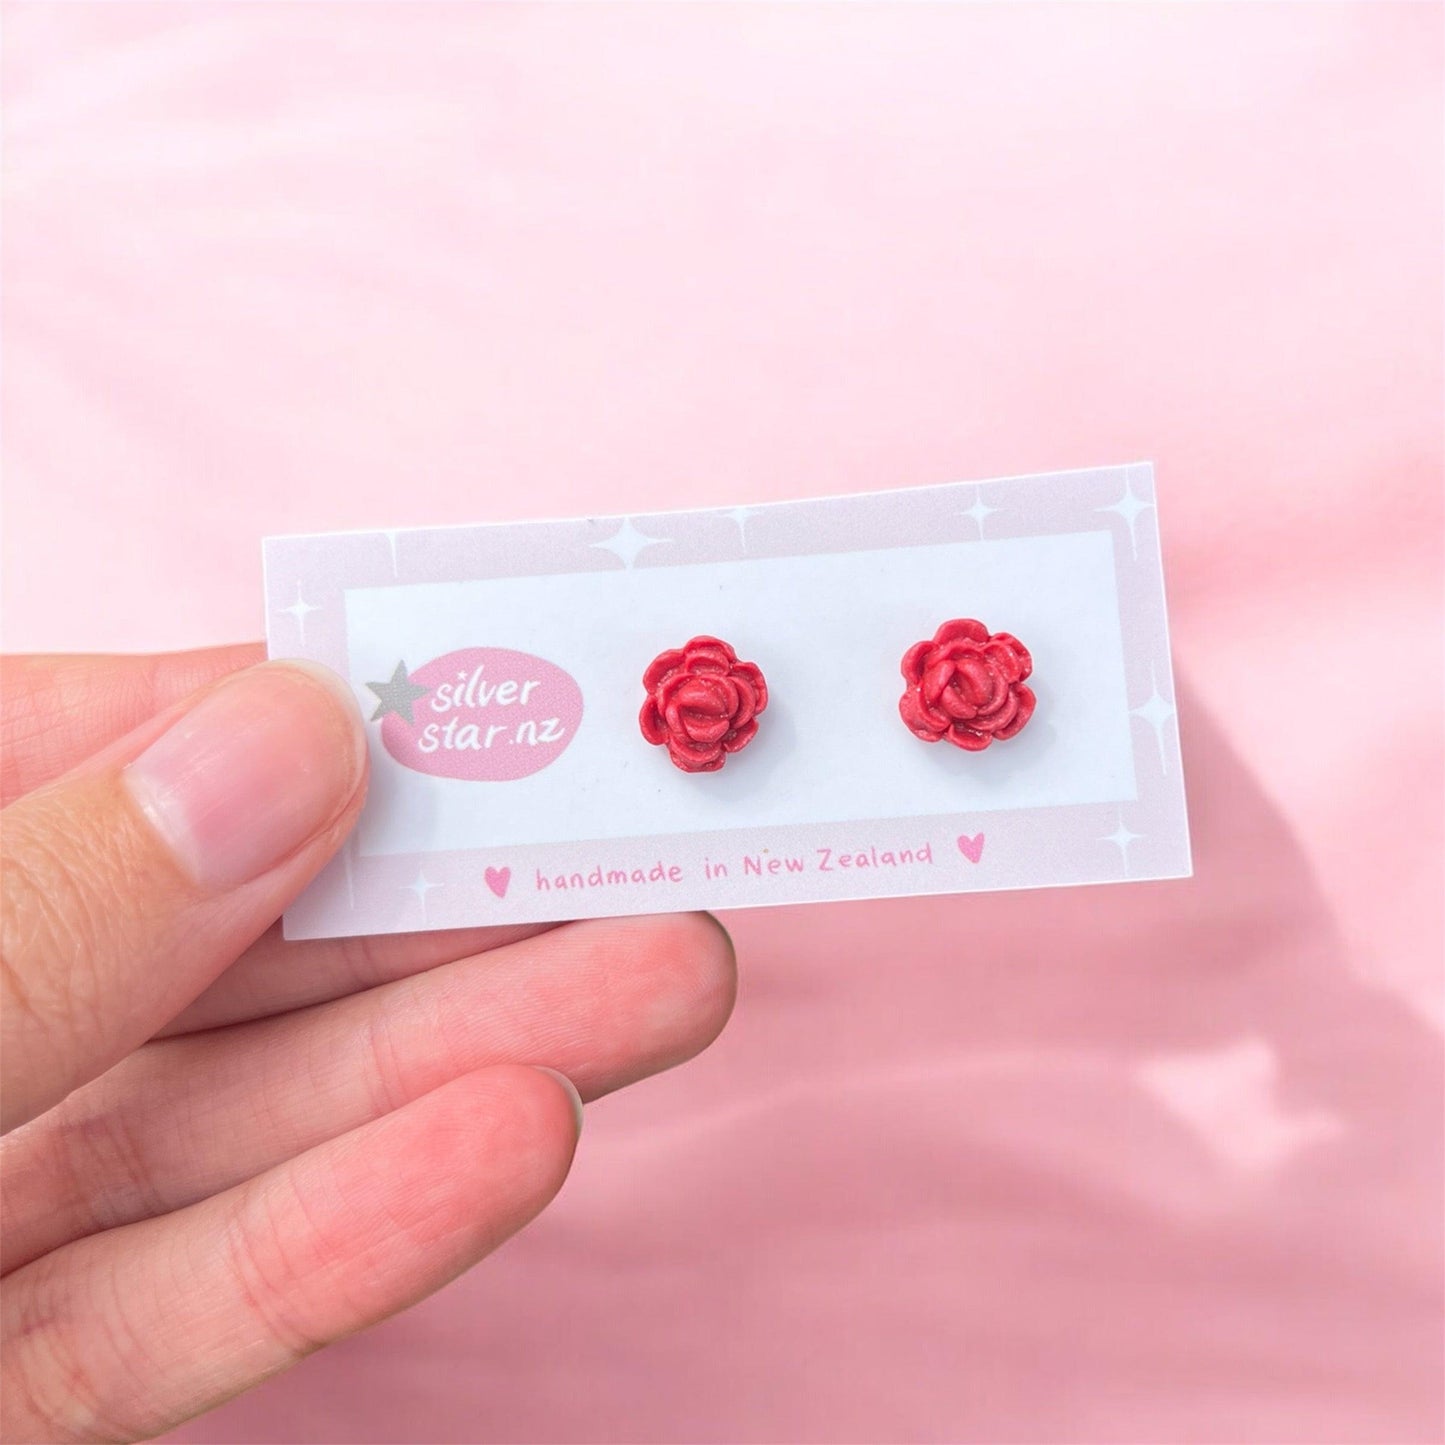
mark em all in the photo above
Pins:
pixel 1143 838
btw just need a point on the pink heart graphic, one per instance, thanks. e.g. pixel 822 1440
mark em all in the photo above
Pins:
pixel 497 880
pixel 971 848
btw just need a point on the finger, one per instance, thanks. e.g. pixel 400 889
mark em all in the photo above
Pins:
pixel 604 1002
pixel 275 975
pixel 57 710
pixel 127 1333
pixel 130 883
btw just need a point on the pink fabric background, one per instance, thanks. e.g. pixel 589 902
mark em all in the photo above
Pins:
pixel 1137 1163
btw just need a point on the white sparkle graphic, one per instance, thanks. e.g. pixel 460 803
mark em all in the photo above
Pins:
pixel 740 515
pixel 979 511
pixel 1121 837
pixel 1156 710
pixel 626 542
pixel 1130 508
pixel 391 542
pixel 421 887
pixel 300 609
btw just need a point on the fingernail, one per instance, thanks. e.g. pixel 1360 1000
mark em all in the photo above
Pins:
pixel 257 768
pixel 571 1089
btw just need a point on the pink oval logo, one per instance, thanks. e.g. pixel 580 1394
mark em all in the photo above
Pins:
pixel 485 714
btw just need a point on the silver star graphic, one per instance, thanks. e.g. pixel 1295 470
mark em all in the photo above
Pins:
pixel 740 515
pixel 421 887
pixel 1121 837
pixel 626 542
pixel 299 609
pixel 397 695
pixel 1156 711
pixel 1130 508
pixel 978 512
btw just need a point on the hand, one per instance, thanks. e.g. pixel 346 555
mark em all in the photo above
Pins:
pixel 225 1151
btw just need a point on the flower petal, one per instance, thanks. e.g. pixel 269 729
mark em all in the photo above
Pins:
pixel 977 681
pixel 709 654
pixel 1003 659
pixel 938 676
pixel 705 640
pixel 669 687
pixel 996 719
pixel 739 737
pixel 747 704
pixel 704 728
pixel 922 724
pixel 710 695
pixel 660 666
pixel 954 701
pixel 1026 662
pixel 752 674
pixel 961 628
pixel 999 697
pixel 694 757
pixel 697 699
pixel 725 690
pixel 965 737
pixel 653 727
pixel 957 650
pixel 914 661
pixel 1024 697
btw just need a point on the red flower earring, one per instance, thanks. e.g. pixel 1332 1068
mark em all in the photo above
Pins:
pixel 966 685
pixel 702 704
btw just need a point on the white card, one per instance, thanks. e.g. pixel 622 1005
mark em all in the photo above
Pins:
pixel 501 669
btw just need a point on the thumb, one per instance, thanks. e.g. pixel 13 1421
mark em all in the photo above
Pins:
pixel 130 883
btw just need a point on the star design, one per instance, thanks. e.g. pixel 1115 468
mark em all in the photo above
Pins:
pixel 626 542
pixel 740 515
pixel 978 512
pixel 1121 837
pixel 1156 711
pixel 397 695
pixel 300 609
pixel 421 887
pixel 1130 508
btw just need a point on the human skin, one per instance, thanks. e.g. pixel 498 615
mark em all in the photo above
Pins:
pixel 223 1151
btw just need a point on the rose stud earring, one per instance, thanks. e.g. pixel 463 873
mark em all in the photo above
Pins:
pixel 702 703
pixel 966 685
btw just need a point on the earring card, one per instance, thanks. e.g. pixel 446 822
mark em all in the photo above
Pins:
pixel 500 669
